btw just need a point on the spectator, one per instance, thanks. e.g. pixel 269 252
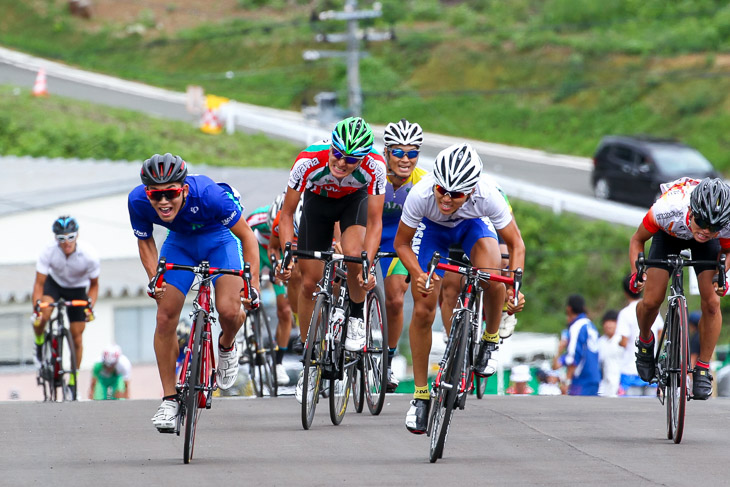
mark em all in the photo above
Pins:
pixel 110 376
pixel 549 382
pixel 610 355
pixel 520 378
pixel 694 336
pixel 627 326
pixel 581 358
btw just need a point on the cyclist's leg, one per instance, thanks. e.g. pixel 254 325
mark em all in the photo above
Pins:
pixel 77 330
pixel 166 346
pixel 353 243
pixel 311 272
pixel 395 289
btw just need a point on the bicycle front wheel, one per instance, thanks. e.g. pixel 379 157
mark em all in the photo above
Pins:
pixel 340 390
pixel 46 374
pixel 358 387
pixel 67 360
pixel 194 389
pixel 265 364
pixel 443 398
pixel 678 358
pixel 480 383
pixel 375 354
pixel 314 360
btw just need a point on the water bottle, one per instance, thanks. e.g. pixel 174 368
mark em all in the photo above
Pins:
pixel 337 318
pixel 35 319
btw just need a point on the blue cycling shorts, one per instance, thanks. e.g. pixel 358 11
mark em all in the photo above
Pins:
pixel 390 266
pixel 431 237
pixel 220 247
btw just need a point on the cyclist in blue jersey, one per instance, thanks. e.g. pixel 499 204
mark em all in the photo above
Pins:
pixel 402 146
pixel 204 219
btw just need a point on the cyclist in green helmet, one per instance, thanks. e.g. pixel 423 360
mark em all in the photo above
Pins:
pixel 343 180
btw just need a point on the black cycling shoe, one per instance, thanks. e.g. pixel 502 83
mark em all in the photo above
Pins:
pixel 481 366
pixel 417 416
pixel 701 384
pixel 38 353
pixel 645 360
pixel 297 347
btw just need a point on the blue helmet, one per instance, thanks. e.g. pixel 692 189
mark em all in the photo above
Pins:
pixel 65 224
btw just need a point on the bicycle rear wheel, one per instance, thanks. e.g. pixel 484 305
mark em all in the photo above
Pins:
pixel 340 389
pixel 678 350
pixel 67 360
pixel 265 359
pixel 358 386
pixel 194 389
pixel 313 360
pixel 46 374
pixel 375 354
pixel 443 399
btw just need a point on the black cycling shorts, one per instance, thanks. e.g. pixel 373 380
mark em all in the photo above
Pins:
pixel 54 290
pixel 663 244
pixel 320 213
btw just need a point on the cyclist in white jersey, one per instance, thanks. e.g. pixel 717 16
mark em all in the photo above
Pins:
pixel 694 215
pixel 67 269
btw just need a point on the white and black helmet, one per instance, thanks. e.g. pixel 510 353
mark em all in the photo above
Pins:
pixel 458 168
pixel 403 133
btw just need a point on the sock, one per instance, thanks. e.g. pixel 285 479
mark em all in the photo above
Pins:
pixel 72 379
pixel 490 337
pixel 702 365
pixel 647 342
pixel 421 393
pixel 221 348
pixel 391 354
pixel 172 397
pixel 280 355
pixel 295 316
pixel 39 340
pixel 356 309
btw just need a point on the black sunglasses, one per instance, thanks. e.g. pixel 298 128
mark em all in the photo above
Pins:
pixel 705 225
pixel 412 154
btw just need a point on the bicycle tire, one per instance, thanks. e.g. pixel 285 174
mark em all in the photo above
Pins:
pixel 248 351
pixel 480 383
pixel 375 354
pixel 46 372
pixel 194 389
pixel 265 357
pixel 358 386
pixel 677 383
pixel 340 390
pixel 67 357
pixel 442 408
pixel 313 360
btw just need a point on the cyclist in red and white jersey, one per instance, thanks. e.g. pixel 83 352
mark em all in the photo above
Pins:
pixel 343 180
pixel 693 215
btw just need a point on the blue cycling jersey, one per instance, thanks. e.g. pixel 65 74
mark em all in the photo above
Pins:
pixel 207 208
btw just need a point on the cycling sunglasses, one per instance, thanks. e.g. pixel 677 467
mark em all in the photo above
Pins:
pixel 454 195
pixel 348 159
pixel 69 237
pixel 705 225
pixel 412 154
pixel 158 194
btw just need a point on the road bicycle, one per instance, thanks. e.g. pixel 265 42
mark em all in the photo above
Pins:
pixel 57 371
pixel 258 351
pixel 197 378
pixel 370 376
pixel 455 376
pixel 672 355
pixel 325 357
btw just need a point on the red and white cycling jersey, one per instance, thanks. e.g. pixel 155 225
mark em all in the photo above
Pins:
pixel 311 171
pixel 670 213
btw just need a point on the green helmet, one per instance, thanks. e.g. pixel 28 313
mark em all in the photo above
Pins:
pixel 353 137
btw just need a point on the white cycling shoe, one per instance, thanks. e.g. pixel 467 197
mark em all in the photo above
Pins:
pixel 355 340
pixel 507 325
pixel 282 377
pixel 166 416
pixel 227 372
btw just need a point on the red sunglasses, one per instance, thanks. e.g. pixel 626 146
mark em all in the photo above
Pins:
pixel 454 195
pixel 169 194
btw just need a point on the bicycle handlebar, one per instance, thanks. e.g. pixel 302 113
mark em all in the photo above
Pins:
pixel 60 302
pixel 678 261
pixel 204 269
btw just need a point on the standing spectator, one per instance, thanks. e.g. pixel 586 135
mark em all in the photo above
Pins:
pixel 694 337
pixel 627 326
pixel 610 355
pixel 549 382
pixel 520 378
pixel 581 358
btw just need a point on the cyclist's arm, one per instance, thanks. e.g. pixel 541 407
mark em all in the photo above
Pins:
pixel 93 291
pixel 515 245
pixel 250 248
pixel 402 246
pixel 148 255
pixel 40 280
pixel 123 394
pixel 92 387
pixel 374 227
pixel 638 239
pixel 286 218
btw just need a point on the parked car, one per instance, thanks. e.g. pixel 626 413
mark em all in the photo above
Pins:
pixel 631 168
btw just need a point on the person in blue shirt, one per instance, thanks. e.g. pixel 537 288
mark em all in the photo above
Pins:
pixel 204 219
pixel 581 357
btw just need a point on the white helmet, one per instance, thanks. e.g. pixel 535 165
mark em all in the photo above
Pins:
pixel 298 215
pixel 403 133
pixel 111 355
pixel 457 168
pixel 274 209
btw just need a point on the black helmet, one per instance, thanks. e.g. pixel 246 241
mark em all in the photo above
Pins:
pixel 163 169
pixel 65 224
pixel 710 204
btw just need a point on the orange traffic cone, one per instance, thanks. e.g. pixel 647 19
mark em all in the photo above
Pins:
pixel 210 123
pixel 39 87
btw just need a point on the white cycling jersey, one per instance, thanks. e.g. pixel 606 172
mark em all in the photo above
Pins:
pixel 670 212
pixel 486 201
pixel 73 271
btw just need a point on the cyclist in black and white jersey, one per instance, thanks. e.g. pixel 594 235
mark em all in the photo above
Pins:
pixel 68 269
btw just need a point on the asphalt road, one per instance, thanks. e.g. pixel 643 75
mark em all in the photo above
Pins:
pixel 500 440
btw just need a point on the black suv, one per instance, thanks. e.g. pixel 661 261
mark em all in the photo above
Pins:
pixel 631 168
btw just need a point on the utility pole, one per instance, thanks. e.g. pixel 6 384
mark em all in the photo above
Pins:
pixel 352 37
